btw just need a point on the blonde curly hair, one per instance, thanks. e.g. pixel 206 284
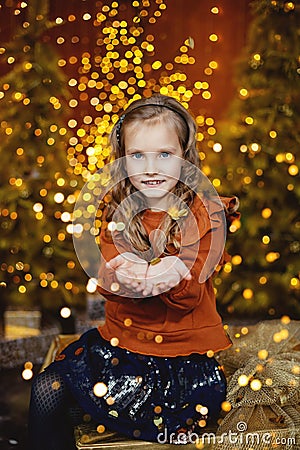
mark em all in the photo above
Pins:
pixel 156 109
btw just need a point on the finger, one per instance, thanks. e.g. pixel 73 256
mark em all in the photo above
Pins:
pixel 156 290
pixel 128 279
pixel 159 288
pixel 138 291
pixel 138 284
pixel 115 262
pixel 125 276
pixel 148 289
pixel 121 279
pixel 127 282
pixel 141 287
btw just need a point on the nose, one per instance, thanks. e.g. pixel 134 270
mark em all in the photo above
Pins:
pixel 151 165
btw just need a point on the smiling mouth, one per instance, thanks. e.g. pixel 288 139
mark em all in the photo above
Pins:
pixel 153 182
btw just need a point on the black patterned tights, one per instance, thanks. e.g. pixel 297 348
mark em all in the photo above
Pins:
pixel 53 414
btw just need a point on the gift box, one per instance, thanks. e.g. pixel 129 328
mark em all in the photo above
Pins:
pixel 19 323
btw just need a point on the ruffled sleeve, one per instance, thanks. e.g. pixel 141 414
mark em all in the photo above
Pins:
pixel 208 215
pixel 202 249
pixel 231 205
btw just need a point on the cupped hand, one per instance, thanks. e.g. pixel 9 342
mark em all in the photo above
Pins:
pixel 130 271
pixel 165 275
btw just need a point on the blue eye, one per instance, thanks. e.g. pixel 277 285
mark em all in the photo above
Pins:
pixel 137 155
pixel 165 154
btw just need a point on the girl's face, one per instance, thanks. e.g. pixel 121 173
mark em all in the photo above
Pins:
pixel 153 161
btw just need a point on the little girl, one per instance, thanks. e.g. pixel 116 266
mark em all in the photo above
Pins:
pixel 149 372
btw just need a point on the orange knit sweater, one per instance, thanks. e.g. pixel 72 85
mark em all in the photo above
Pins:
pixel 183 320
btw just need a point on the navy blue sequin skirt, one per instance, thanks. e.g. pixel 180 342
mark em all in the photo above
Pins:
pixel 141 396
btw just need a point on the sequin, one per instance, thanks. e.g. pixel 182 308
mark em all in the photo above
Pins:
pixel 143 393
pixel 158 421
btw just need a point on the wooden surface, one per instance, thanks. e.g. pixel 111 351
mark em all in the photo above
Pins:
pixel 87 438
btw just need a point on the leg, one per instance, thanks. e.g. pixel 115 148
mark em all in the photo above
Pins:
pixel 50 427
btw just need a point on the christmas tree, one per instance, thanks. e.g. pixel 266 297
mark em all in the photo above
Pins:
pixel 259 142
pixel 38 188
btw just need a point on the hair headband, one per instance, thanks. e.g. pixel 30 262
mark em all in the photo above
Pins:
pixel 121 119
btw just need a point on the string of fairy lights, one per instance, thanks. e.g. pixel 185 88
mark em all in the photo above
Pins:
pixel 122 76
pixel 125 67
pixel 125 72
